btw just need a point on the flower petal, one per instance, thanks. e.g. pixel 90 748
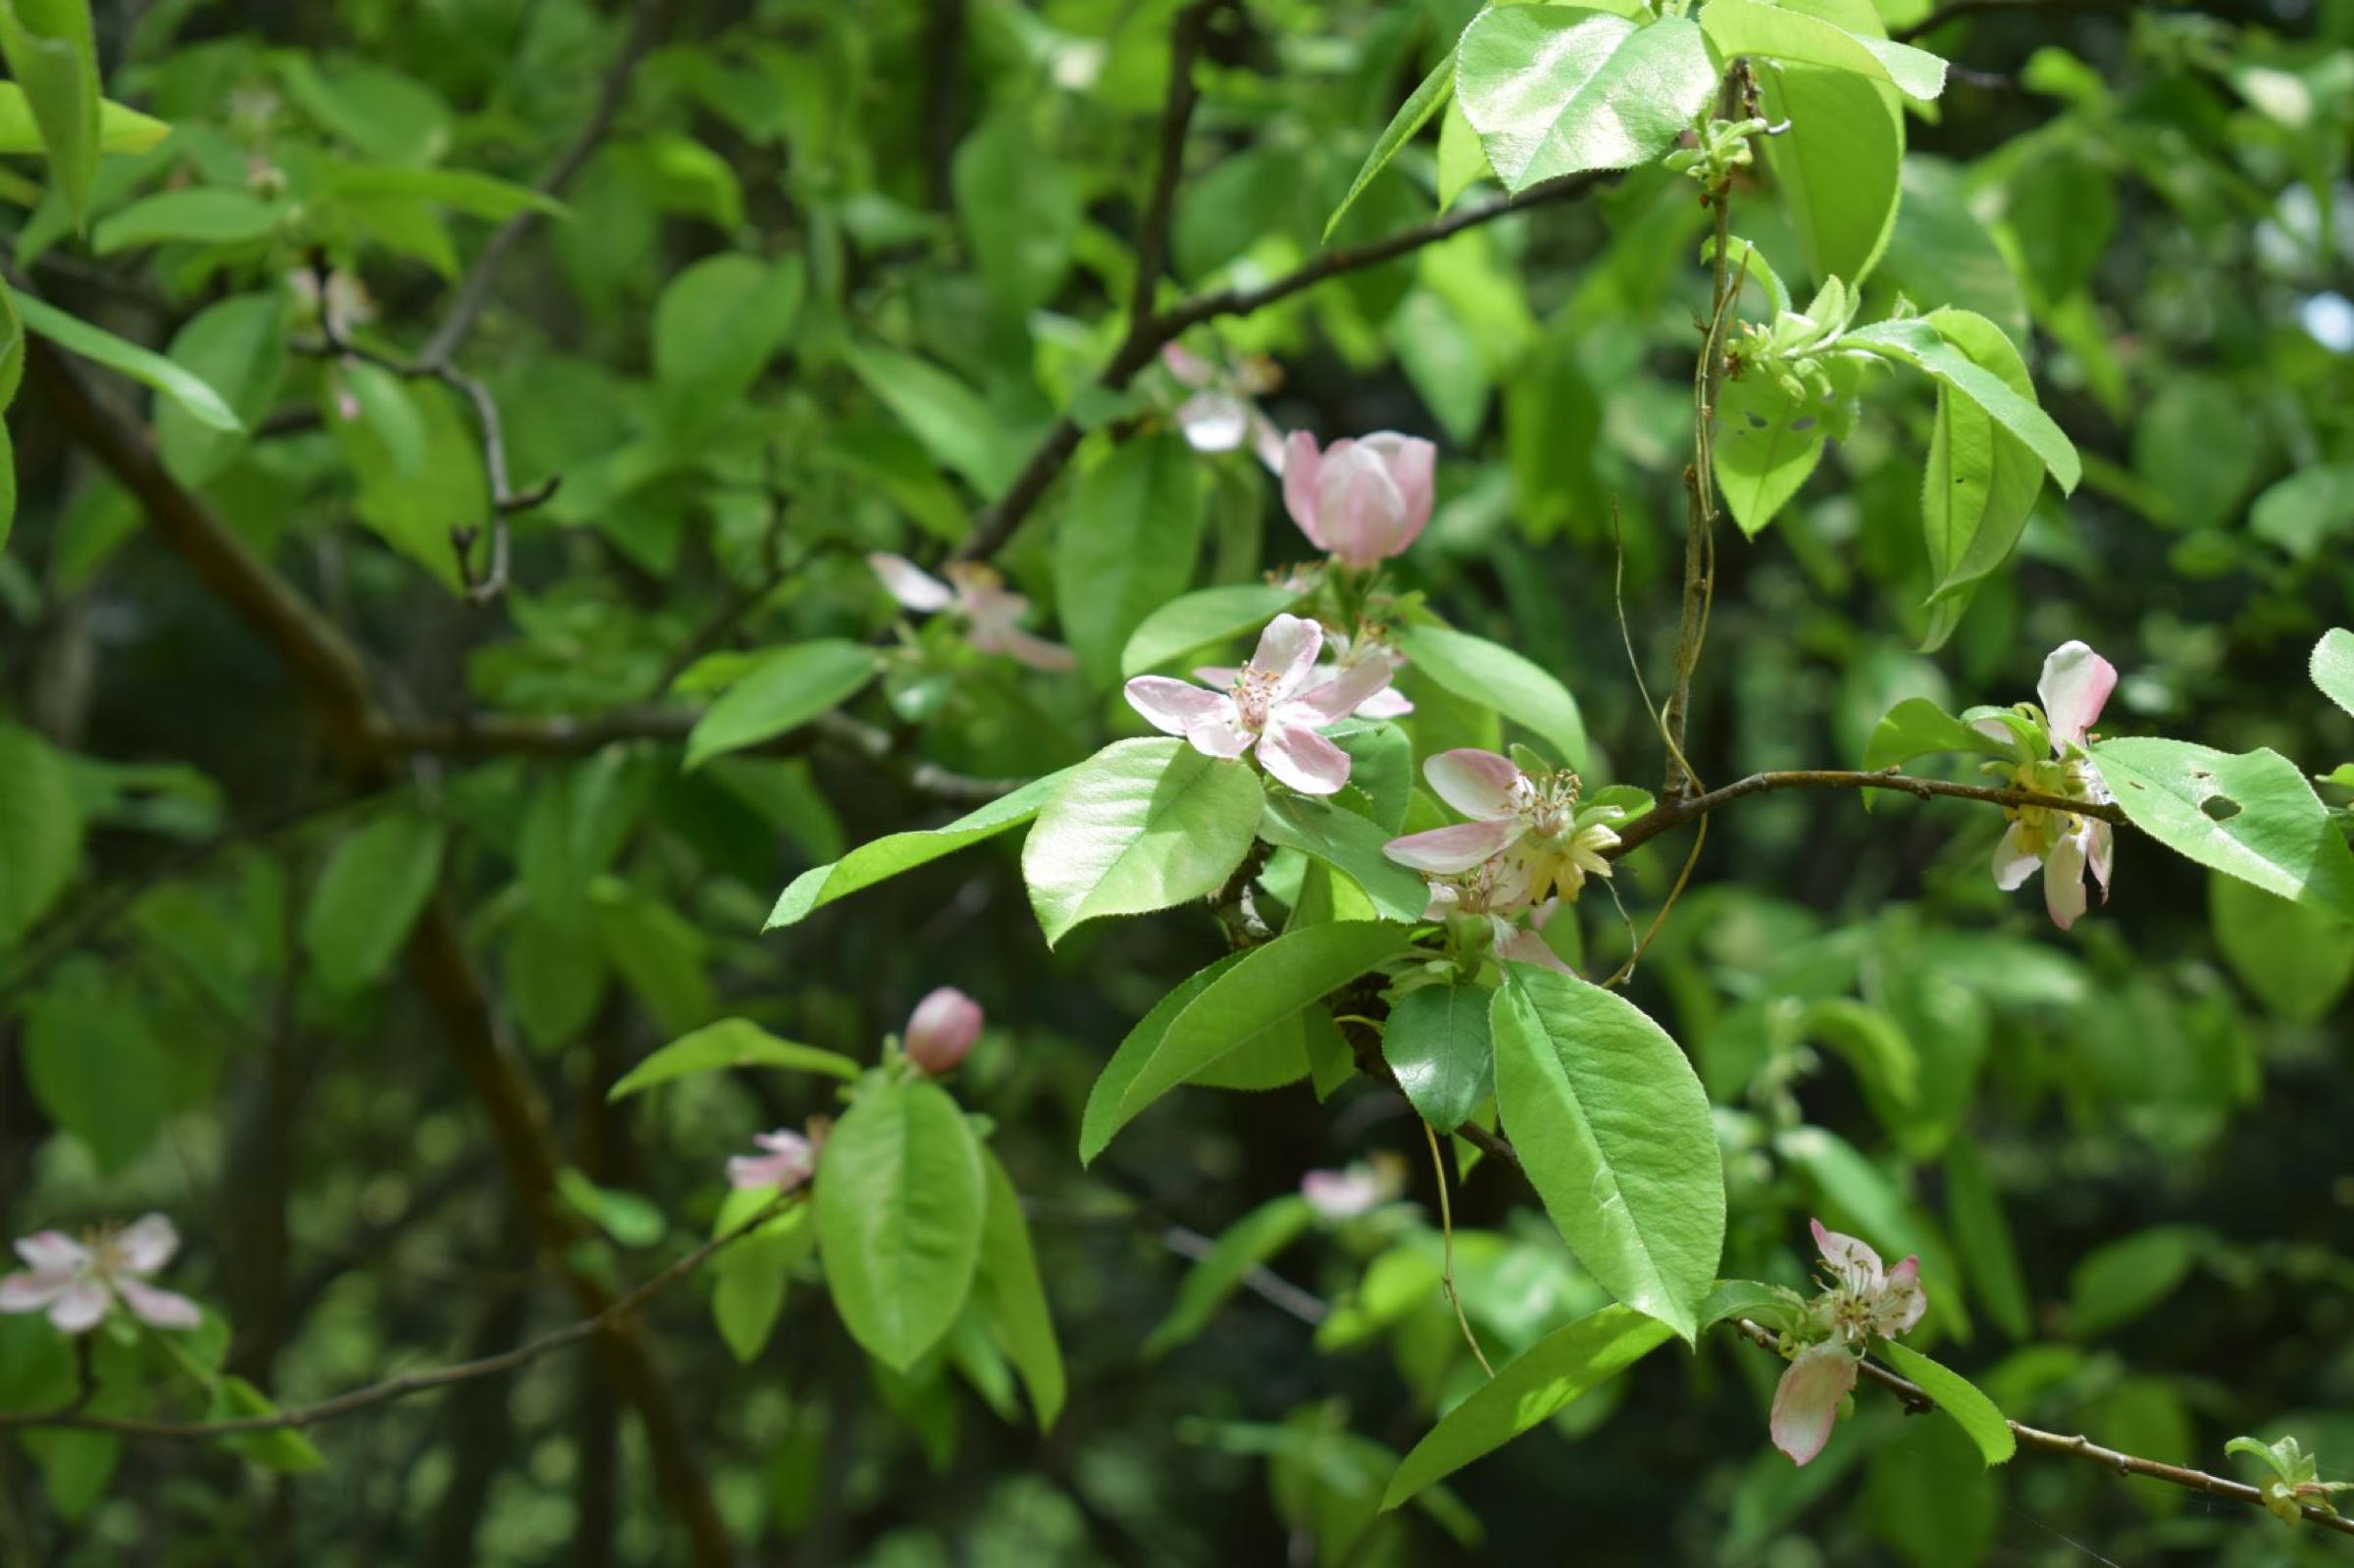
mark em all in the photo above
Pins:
pixel 1302 465
pixel 1360 507
pixel 1806 1403
pixel 1266 443
pixel 2100 854
pixel 2013 862
pixel 1411 463
pixel 162 1310
pixel 1174 707
pixel 2076 682
pixel 1188 367
pixel 1387 703
pixel 1035 652
pixel 1303 759
pixel 2064 881
pixel 1478 783
pixel 147 1244
pixel 52 1253
pixel 1286 650
pixel 1450 851
pixel 78 1306
pixel 1351 687
pixel 1905 1301
pixel 910 583
pixel 1213 422
pixel 31 1290
pixel 1525 947
pixel 1856 1261
pixel 1222 738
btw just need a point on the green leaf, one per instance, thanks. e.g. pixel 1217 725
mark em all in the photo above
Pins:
pixel 1495 677
pixel 730 1043
pixel 749 1276
pixel 205 215
pixel 414 511
pixel 782 692
pixel 2251 815
pixel 887 857
pixel 716 326
pixel 2306 511
pixel 1767 442
pixel 478 195
pixel 8 485
pixel 1350 845
pixel 1019 206
pixel 900 1200
pixel 948 417
pixel 1463 161
pixel 1268 986
pixel 95 1064
pixel 1127 546
pixel 40 830
pixel 1981 482
pixel 1840 164
pixel 628 1218
pixel 1137 826
pixel 1435 92
pixel 286 1450
pixel 53 56
pixel 1012 1299
pixel 1615 1134
pixel 12 363
pixel 1918 341
pixel 102 347
pixel 1919 728
pixel 1958 1397
pixel 1746 28
pixel 2333 667
pixel 120 128
pixel 2126 1278
pixel 1247 1244
pixel 1195 620
pixel 1542 1380
pixel 1556 92
pixel 1940 249
pixel 2297 961
pixel 1438 1042
pixel 1102 1116
pixel 239 346
pixel 663 957
pixel 1989 1258
pixel 374 886
pixel 1763 1304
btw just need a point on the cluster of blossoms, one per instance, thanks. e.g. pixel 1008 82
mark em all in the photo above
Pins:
pixel 2051 760
pixel 976 596
pixel 77 1282
pixel 1858 1301
pixel 940 1035
pixel 1528 848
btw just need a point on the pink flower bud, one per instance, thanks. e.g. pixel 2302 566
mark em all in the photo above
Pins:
pixel 1360 500
pixel 943 1030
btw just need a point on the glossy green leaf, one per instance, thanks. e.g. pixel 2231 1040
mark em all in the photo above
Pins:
pixel 203 215
pixel 1495 677
pixel 1542 1380
pixel 900 1200
pixel 751 1274
pixel 1556 91
pixel 1271 983
pixel 2333 667
pixel 1615 1134
pixel 1958 1397
pixel 2252 815
pixel 731 1042
pixel 1981 482
pixel 1438 1042
pixel 1919 728
pixel 1350 845
pixel 1012 1297
pixel 1839 164
pixel 1435 92
pixel 1918 341
pixel 1137 826
pixel 1773 32
pixel 374 886
pixel 237 345
pixel 1103 1118
pixel 1249 1243
pixel 52 56
pixel 782 692
pixel 40 830
pixel 1766 443
pixel 102 347
pixel 888 857
pixel 1760 1303
pixel 1196 620
pixel 1127 546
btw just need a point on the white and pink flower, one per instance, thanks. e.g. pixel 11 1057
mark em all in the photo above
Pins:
pixel 976 596
pixel 1220 415
pixel 1861 1301
pixel 942 1031
pixel 1274 706
pixel 1359 500
pixel 76 1283
pixel 2074 685
pixel 1534 820
pixel 1346 654
pixel 786 1160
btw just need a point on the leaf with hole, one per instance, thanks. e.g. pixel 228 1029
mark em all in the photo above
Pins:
pixel 2251 815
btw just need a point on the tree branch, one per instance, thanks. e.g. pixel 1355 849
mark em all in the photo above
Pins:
pixel 1917 1400
pixel 1670 814
pixel 610 1318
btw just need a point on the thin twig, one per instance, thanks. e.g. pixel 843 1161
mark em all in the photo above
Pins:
pixel 1176 117
pixel 408 1382
pixel 1260 1281
pixel 1676 813
pixel 1917 1400
pixel 1438 1169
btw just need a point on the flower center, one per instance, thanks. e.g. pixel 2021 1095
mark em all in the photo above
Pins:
pixel 1253 694
pixel 1547 805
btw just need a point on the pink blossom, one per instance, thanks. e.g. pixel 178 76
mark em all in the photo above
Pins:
pixel 1497 891
pixel 77 1282
pixel 2075 684
pixel 1275 705
pixel 1346 655
pixel 1361 501
pixel 1220 414
pixel 1533 818
pixel 1338 1195
pixel 1860 1301
pixel 1806 1403
pixel 788 1162
pixel 943 1030
pixel 978 596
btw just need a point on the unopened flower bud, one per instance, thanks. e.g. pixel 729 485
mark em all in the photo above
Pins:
pixel 943 1030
